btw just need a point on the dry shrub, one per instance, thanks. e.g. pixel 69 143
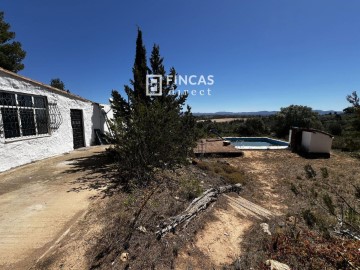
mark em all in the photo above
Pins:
pixel 230 174
pixel 329 203
pixel 310 172
pixel 309 218
pixel 319 253
pixel 235 178
pixel 294 189
pixel 190 189
pixel 203 165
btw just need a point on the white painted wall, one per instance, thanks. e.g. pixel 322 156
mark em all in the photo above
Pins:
pixel 306 140
pixel 19 151
pixel 109 113
pixel 315 142
pixel 320 143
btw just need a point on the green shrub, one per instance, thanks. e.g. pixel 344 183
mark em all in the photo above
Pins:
pixel 357 191
pixel 324 172
pixel 229 173
pixel 310 172
pixel 190 189
pixel 294 189
pixel 352 217
pixel 295 116
pixel 309 218
pixel 335 129
pixel 235 178
pixel 329 203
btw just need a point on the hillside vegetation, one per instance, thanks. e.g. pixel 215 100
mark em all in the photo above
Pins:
pixel 345 127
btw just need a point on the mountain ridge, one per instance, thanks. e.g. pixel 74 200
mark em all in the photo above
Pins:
pixel 260 113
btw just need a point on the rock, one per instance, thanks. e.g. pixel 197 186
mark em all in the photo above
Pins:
pixel 291 220
pixel 142 229
pixel 124 256
pixel 275 265
pixel 265 228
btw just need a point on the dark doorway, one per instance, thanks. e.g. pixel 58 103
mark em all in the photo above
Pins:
pixel 78 128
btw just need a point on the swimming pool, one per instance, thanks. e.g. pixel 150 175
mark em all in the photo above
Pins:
pixel 257 143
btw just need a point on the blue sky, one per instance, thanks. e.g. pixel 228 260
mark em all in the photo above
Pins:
pixel 264 54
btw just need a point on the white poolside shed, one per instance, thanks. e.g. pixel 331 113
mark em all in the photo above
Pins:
pixel 38 121
pixel 316 142
pixel 310 141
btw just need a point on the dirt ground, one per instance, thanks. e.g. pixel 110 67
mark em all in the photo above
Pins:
pixel 91 236
pixel 266 198
pixel 39 204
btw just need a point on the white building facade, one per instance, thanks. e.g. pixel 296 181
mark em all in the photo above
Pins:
pixel 38 121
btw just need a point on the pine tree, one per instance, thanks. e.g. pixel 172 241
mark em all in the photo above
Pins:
pixel 11 53
pixel 57 83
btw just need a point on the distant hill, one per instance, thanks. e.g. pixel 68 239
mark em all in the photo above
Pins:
pixel 261 113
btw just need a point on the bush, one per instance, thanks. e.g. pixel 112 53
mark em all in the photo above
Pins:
pixel 190 189
pixel 335 129
pixel 294 189
pixel 229 173
pixel 309 218
pixel 252 127
pixel 329 204
pixel 324 172
pixel 310 172
pixel 295 116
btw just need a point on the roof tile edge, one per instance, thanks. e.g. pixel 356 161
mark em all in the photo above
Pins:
pixel 63 92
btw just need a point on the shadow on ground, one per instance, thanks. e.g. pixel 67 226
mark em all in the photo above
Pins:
pixel 98 173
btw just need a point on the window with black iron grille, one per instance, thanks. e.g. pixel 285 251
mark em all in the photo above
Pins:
pixel 23 115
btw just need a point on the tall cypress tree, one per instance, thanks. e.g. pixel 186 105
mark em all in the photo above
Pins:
pixel 140 70
pixel 151 133
pixel 137 93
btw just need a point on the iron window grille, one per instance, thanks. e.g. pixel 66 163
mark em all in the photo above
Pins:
pixel 54 116
pixel 23 115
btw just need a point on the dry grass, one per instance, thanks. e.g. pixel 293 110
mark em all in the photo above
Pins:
pixel 316 192
pixel 307 194
pixel 229 174
pixel 151 208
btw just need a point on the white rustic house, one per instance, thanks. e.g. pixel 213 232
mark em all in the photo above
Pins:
pixel 39 121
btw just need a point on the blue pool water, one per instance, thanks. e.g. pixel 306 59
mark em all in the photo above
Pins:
pixel 257 143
